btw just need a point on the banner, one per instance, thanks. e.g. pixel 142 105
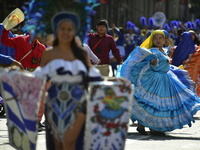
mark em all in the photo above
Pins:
pixel 108 109
pixel 22 95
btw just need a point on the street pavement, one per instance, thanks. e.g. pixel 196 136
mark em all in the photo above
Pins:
pixel 180 139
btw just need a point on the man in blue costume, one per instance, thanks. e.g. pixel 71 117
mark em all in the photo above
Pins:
pixel 5 50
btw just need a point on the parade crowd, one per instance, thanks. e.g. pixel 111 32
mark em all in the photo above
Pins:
pixel 161 62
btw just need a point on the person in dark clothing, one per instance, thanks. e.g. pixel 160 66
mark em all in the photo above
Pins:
pixel 120 41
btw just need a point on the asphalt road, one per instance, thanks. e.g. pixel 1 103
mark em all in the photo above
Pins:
pixel 180 139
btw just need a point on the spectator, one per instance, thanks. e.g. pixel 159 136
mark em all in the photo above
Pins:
pixel 130 42
pixel 120 41
pixel 101 44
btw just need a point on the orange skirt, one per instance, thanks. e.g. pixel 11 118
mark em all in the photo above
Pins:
pixel 192 65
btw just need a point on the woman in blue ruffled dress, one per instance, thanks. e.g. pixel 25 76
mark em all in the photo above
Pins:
pixel 161 101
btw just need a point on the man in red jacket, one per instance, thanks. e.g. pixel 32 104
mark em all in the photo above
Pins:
pixel 101 44
pixel 26 52
pixel 29 55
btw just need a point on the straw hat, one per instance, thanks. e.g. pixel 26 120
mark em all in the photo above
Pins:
pixel 13 19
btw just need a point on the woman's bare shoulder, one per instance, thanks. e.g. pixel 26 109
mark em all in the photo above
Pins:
pixel 47 56
pixel 49 51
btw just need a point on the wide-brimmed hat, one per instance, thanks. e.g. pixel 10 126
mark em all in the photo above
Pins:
pixel 13 19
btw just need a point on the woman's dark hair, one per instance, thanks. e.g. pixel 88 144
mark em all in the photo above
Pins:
pixel 179 32
pixel 196 39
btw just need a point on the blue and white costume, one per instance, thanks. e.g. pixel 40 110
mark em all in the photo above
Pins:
pixel 66 96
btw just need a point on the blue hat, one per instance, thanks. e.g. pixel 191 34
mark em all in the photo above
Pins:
pixel 166 27
pixel 193 25
pixel 151 23
pixel 128 25
pixel 133 27
pixel 143 21
pixel 174 24
pixel 64 15
pixel 189 25
pixel 166 33
pixel 197 22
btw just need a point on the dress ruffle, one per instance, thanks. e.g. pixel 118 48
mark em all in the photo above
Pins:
pixel 183 76
pixel 60 70
pixel 161 101
pixel 138 55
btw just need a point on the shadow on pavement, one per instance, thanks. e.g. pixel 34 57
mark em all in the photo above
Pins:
pixel 137 136
pixel 3 130
pixel 196 118
pixel 3 117
pixel 5 143
pixel 4 136
pixel 133 125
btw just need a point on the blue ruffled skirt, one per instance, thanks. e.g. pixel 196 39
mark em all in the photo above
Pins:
pixel 163 101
